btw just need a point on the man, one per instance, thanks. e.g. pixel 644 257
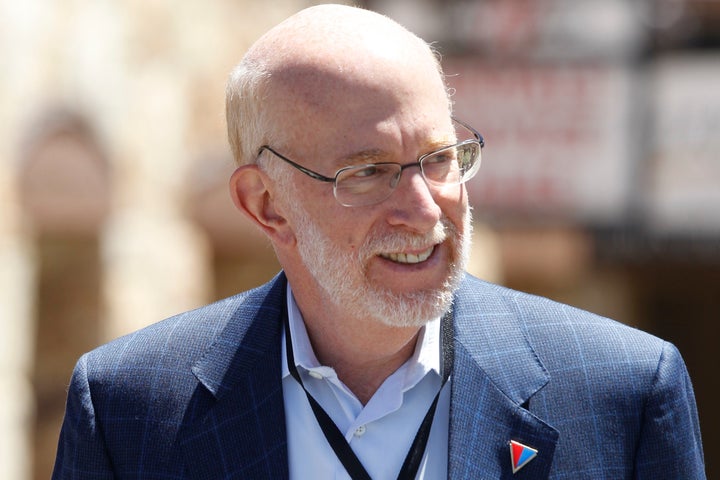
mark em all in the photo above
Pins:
pixel 372 355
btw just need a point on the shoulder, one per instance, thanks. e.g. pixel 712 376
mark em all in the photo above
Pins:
pixel 539 315
pixel 177 342
pixel 562 335
pixel 589 360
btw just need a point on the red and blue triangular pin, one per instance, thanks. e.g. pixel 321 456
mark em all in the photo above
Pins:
pixel 520 455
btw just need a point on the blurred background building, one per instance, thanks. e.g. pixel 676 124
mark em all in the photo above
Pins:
pixel 600 185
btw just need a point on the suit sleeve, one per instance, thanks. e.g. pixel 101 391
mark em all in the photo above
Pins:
pixel 670 445
pixel 82 453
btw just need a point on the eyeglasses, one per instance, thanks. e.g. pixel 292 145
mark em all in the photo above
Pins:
pixel 370 184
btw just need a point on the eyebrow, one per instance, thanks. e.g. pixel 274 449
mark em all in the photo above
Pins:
pixel 376 155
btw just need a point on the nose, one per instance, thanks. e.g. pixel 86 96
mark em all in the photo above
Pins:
pixel 412 204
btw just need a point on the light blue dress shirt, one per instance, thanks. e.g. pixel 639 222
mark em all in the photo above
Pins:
pixel 380 432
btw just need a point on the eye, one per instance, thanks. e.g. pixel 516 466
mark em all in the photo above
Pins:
pixel 440 158
pixel 371 171
pixel 365 172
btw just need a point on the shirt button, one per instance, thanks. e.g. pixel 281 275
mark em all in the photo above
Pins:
pixel 360 431
pixel 315 374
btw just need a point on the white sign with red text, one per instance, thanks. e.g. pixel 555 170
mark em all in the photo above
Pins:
pixel 558 138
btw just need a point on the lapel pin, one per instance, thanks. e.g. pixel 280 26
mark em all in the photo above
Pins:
pixel 520 455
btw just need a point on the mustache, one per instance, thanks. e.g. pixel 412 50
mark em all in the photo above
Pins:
pixel 394 242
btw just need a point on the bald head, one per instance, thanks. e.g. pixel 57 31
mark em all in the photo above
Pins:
pixel 335 37
pixel 319 64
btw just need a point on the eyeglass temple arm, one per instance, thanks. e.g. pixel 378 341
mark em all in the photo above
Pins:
pixel 306 171
pixel 477 134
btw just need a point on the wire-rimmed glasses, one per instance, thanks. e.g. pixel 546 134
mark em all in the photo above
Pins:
pixel 369 184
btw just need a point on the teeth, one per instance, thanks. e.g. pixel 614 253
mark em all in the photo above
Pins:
pixel 409 257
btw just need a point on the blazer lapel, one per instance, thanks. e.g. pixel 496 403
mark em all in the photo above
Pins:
pixel 495 374
pixel 235 425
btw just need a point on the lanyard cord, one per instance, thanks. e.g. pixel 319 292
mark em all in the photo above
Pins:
pixel 337 440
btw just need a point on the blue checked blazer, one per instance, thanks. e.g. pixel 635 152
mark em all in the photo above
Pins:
pixel 199 396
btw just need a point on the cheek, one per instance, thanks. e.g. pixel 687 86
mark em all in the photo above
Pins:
pixel 453 202
pixel 347 227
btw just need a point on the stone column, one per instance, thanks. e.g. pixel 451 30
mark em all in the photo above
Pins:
pixel 156 262
pixel 156 265
pixel 16 331
pixel 18 47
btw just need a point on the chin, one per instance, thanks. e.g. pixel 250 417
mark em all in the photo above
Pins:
pixel 408 309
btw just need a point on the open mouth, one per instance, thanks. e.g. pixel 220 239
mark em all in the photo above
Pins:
pixel 409 258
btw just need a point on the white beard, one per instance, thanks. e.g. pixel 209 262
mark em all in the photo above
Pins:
pixel 344 281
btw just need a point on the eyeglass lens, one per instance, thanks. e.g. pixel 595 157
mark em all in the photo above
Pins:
pixel 369 184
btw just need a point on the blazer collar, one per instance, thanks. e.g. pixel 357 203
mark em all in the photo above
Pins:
pixel 488 324
pixel 235 425
pixel 496 373
pixel 253 328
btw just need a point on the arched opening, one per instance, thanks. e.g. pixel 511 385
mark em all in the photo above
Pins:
pixel 65 194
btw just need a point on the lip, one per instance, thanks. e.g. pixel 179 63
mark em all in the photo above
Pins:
pixel 409 258
pixel 401 278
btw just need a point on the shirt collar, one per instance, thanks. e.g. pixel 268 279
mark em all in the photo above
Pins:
pixel 425 359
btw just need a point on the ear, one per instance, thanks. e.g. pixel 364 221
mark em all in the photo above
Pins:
pixel 251 193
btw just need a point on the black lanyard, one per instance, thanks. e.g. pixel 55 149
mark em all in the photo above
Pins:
pixel 337 440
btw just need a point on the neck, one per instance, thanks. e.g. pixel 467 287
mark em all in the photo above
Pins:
pixel 364 365
pixel 362 352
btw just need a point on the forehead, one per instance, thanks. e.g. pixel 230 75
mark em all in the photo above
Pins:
pixel 343 111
